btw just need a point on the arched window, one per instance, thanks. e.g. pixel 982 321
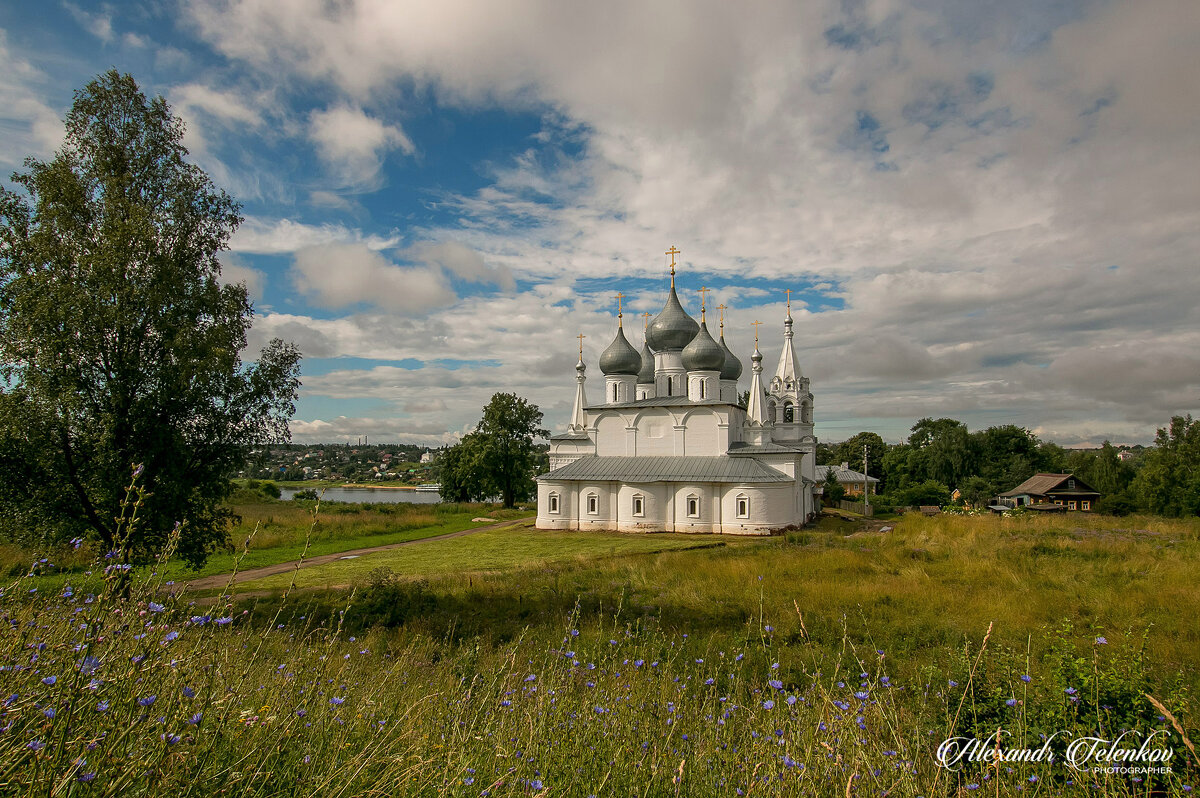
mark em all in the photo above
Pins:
pixel 668 386
pixel 593 504
pixel 771 411
pixel 742 506
pixel 693 507
pixel 639 505
pixel 614 397
pixel 788 413
pixel 552 503
pixel 701 389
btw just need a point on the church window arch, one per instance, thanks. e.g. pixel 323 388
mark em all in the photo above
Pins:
pixel 702 388
pixel 771 411
pixel 693 506
pixel 552 502
pixel 593 504
pixel 742 506
pixel 614 392
pixel 639 505
pixel 789 385
pixel 789 413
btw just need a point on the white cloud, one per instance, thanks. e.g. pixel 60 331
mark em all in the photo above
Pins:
pixel 225 106
pixel 463 262
pixel 353 144
pixel 961 176
pixel 338 275
pixel 274 237
pixel 28 126
pixel 234 271
pixel 99 25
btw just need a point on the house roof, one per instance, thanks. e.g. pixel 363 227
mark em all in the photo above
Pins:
pixel 660 401
pixel 571 436
pixel 667 469
pixel 742 449
pixel 842 474
pixel 1042 484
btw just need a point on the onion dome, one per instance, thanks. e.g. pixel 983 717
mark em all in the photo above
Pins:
pixel 620 357
pixel 703 353
pixel 646 375
pixel 672 329
pixel 733 367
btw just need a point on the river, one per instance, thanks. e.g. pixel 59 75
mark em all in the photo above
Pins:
pixel 370 495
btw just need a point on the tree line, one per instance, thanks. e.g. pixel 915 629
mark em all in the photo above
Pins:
pixel 942 455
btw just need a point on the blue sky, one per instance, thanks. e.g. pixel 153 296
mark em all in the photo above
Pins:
pixel 985 211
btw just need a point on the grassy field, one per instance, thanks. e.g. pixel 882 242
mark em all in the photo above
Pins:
pixel 830 661
pixel 493 551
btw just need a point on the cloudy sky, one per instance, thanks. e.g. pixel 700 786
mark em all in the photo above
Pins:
pixel 989 211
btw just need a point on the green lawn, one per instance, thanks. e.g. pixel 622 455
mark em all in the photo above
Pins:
pixel 490 550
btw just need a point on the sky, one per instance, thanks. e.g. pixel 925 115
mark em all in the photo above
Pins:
pixel 987 211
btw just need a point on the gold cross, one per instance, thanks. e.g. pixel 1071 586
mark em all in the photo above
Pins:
pixel 755 325
pixel 581 336
pixel 646 316
pixel 722 308
pixel 672 252
pixel 620 296
pixel 789 298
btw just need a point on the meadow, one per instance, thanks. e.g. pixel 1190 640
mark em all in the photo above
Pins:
pixel 829 661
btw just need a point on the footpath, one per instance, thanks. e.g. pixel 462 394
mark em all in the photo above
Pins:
pixel 221 580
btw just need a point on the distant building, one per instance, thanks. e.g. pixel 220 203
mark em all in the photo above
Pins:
pixel 1062 490
pixel 427 457
pixel 849 479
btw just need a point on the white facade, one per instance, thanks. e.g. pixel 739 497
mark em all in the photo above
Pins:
pixel 681 455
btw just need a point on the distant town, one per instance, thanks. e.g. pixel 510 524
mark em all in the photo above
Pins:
pixel 404 464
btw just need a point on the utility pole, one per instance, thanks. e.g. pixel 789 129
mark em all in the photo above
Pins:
pixel 866 481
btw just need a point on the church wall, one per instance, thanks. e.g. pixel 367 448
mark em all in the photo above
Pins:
pixel 605 515
pixel 702 437
pixel 567 513
pixel 565 452
pixel 655 434
pixel 769 506
pixel 610 435
pixel 655 500
pixel 707 517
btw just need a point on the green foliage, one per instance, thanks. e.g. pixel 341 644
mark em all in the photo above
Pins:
pixel 927 493
pixel 497 459
pixel 832 490
pixel 851 452
pixel 119 346
pixel 1169 482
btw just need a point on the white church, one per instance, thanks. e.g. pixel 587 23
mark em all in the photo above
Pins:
pixel 671 448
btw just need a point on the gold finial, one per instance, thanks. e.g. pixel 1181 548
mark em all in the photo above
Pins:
pixel 789 299
pixel 620 296
pixel 703 299
pixel 672 252
pixel 722 308
pixel 756 323
pixel 581 336
pixel 646 323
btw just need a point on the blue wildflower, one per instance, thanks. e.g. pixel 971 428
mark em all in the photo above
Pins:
pixel 50 680
pixel 147 701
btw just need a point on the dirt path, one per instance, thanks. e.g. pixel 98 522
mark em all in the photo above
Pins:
pixel 220 580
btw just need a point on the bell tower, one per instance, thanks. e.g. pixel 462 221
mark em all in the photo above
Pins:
pixel 789 400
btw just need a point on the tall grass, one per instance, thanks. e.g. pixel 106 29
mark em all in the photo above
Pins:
pixel 779 683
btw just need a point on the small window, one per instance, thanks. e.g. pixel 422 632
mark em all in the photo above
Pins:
pixel 614 397
pixel 668 386
pixel 788 413
pixel 1085 505
pixel 1071 506
pixel 593 504
pixel 1058 502
pixel 743 507
pixel 701 389
pixel 1071 484
pixel 693 507
pixel 639 506
pixel 552 503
